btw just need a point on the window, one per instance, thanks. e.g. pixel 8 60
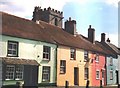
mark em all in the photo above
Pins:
pixel 97 58
pixel 14 72
pixel 46 74
pixel 97 74
pixel 103 73
pixel 62 66
pixel 72 53
pixel 46 52
pixel 56 22
pixel 86 75
pixel 111 61
pixel 10 69
pixel 111 74
pixel 19 72
pixel 86 56
pixel 12 48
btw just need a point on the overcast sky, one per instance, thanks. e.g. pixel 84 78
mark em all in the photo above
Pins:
pixel 101 14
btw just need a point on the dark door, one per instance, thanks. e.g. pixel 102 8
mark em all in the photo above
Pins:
pixel 117 77
pixel 76 76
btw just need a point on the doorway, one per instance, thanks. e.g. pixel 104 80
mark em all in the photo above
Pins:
pixel 76 76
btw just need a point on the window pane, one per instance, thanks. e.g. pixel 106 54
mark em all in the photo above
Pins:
pixel 46 52
pixel 10 72
pixel 12 48
pixel 46 73
pixel 62 66
pixel 19 72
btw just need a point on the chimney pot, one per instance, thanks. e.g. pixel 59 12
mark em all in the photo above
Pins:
pixel 108 40
pixel 89 26
pixel 69 18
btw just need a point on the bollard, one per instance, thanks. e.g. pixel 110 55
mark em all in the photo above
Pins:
pixel 66 84
pixel 87 84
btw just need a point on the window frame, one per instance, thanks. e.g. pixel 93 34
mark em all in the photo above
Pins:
pixel 46 53
pixel 86 73
pixel 72 54
pixel 21 72
pixel 12 49
pixel 98 74
pixel 44 74
pixel 62 66
pixel 111 74
pixel 97 58
pixel 111 61
pixel 86 56
pixel 8 72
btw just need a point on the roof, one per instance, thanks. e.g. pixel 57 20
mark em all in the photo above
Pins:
pixel 18 61
pixel 105 48
pixel 23 28
pixel 113 47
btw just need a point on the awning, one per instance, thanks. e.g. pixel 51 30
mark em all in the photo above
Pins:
pixel 10 60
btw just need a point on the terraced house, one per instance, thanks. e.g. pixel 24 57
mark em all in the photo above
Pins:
pixel 39 52
pixel 27 54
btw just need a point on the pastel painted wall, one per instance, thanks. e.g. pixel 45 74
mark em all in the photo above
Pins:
pixel 98 66
pixel 63 53
pixel 31 49
pixel 119 68
pixel 114 68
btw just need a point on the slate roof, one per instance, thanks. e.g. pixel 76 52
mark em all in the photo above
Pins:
pixel 24 28
pixel 8 60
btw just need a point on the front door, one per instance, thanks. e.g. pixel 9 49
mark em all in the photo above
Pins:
pixel 76 76
pixel 117 77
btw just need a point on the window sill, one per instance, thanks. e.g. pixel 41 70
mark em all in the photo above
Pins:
pixel 12 56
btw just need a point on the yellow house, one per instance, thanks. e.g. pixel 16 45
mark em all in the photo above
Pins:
pixel 71 66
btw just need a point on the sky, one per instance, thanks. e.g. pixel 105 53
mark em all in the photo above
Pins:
pixel 101 14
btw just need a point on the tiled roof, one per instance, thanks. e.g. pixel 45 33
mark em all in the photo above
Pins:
pixel 105 48
pixel 23 28
pixel 113 47
pixel 18 61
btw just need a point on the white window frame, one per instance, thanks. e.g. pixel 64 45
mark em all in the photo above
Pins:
pixel 111 74
pixel 72 53
pixel 46 53
pixel 20 72
pixel 86 73
pixel 111 61
pixel 62 66
pixel 12 49
pixel 8 73
pixel 98 75
pixel 97 58
pixel 86 55
pixel 46 71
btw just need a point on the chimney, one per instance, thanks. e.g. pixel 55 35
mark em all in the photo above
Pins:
pixel 102 37
pixel 108 40
pixel 91 34
pixel 70 26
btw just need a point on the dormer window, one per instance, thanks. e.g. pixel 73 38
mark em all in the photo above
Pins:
pixel 12 48
pixel 56 21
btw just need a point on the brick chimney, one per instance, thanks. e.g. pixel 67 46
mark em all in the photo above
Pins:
pixel 102 37
pixel 91 34
pixel 70 26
